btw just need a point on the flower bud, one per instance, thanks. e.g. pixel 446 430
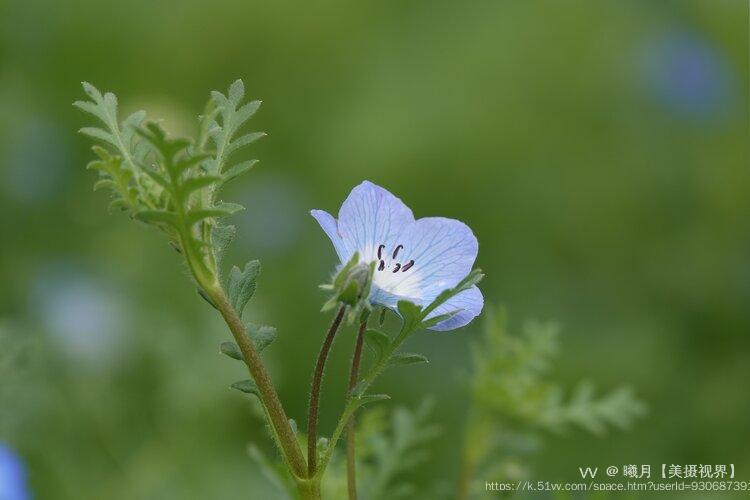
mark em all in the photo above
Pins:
pixel 351 285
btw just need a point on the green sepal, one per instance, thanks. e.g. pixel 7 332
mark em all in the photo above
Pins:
pixel 232 350
pixel 203 293
pixel 242 284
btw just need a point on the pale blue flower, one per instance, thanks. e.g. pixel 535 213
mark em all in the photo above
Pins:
pixel 415 259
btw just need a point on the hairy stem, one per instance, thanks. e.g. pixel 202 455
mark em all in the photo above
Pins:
pixel 351 461
pixel 279 422
pixel 312 416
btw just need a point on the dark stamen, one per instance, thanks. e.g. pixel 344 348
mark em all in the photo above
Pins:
pixel 398 266
pixel 407 266
pixel 380 251
pixel 381 266
pixel 395 252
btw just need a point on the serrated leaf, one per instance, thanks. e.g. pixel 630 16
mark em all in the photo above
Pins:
pixel 105 184
pixel 247 386
pixel 244 140
pixel 237 170
pixel 196 183
pixel 241 284
pixel 223 234
pixel 378 342
pixel 98 133
pixel 232 350
pixel 246 111
pixel 262 336
pixel 220 210
pixel 187 162
pixel 404 359
pixel 236 91
pixel 157 217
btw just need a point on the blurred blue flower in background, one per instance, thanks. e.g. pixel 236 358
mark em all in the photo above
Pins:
pixel 12 475
pixel 84 317
pixel 688 76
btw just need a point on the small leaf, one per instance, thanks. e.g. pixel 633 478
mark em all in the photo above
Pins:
pixel 359 388
pixel 237 170
pixel 105 184
pixel 236 91
pixel 244 140
pixel 157 217
pixel 471 279
pixel 404 359
pixel 242 283
pixel 378 342
pixel 232 350
pixel 247 386
pixel 97 133
pixel 322 445
pixel 429 323
pixel 223 234
pixel 229 208
pixel 196 183
pixel 262 336
pixel 410 313
pixel 220 210
pixel 371 398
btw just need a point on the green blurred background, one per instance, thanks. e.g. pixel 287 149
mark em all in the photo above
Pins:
pixel 598 149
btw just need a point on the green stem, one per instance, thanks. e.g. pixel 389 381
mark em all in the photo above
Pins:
pixel 290 449
pixel 353 403
pixel 351 459
pixel 309 489
pixel 312 417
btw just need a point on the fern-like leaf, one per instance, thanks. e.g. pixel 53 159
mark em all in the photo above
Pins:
pixel 230 115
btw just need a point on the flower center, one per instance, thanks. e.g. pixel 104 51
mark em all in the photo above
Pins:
pixel 385 262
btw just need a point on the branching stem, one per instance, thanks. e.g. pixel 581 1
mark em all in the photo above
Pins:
pixel 312 417
pixel 279 422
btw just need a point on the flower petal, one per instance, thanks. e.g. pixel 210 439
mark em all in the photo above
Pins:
pixel 371 216
pixel 443 251
pixel 330 226
pixel 468 303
